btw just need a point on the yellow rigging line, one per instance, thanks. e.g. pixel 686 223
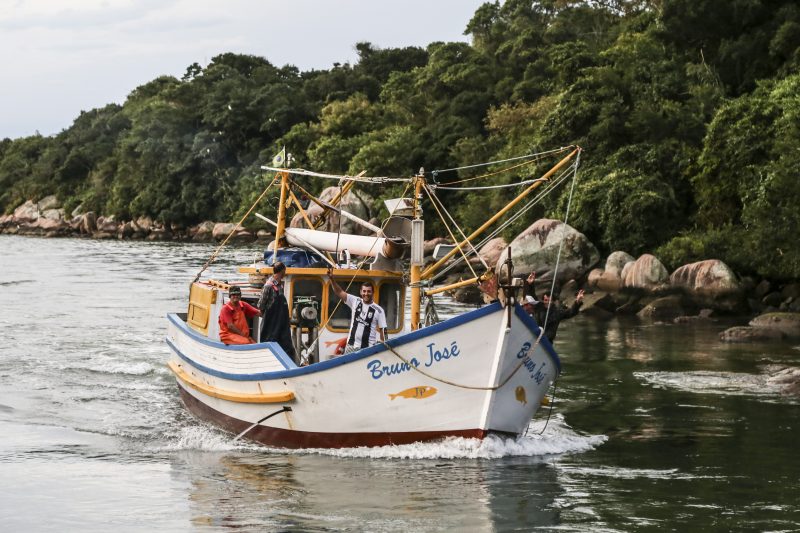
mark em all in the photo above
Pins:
pixel 235 228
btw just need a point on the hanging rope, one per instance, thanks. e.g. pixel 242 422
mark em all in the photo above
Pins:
pixel 528 156
pixel 235 228
pixel 541 329
pixel 450 232
pixel 453 383
pixel 337 177
pixel 563 231
pixel 531 203
pixel 435 199
pixel 490 174
pixel 350 282
pixel 485 187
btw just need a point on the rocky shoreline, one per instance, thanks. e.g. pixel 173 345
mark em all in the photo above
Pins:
pixel 624 285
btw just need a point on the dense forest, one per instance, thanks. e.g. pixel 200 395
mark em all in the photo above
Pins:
pixel 688 111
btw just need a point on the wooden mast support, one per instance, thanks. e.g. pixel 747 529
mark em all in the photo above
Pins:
pixel 456 285
pixel 414 274
pixel 281 215
pixel 433 268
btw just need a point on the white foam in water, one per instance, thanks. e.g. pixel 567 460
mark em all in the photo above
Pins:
pixel 112 365
pixel 206 438
pixel 774 383
pixel 558 438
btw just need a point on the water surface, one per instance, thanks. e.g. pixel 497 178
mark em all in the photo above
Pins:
pixel 654 426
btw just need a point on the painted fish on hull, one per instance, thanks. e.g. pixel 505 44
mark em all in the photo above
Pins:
pixel 417 393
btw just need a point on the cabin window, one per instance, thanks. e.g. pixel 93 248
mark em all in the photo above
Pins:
pixel 340 319
pixel 306 288
pixel 391 300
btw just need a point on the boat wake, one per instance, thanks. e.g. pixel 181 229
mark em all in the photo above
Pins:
pixel 557 439
pixel 774 383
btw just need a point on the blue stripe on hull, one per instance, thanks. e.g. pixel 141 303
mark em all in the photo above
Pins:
pixel 293 370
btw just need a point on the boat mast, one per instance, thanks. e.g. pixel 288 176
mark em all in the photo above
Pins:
pixel 279 231
pixel 433 268
pixel 416 267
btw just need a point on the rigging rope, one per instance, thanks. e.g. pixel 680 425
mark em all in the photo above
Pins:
pixel 541 329
pixel 487 175
pixel 563 231
pixel 235 228
pixel 450 232
pixel 358 179
pixel 484 187
pixel 531 203
pixel 528 156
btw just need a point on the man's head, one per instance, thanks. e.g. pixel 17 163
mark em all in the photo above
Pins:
pixel 527 304
pixel 278 270
pixel 367 292
pixel 235 293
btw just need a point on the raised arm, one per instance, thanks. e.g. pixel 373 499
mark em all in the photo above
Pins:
pixel 529 288
pixel 337 290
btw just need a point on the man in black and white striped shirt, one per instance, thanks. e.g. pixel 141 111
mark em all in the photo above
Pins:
pixel 368 320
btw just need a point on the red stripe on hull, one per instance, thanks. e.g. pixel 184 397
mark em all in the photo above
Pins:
pixel 284 438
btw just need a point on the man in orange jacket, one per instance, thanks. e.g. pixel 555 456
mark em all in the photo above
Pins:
pixel 233 317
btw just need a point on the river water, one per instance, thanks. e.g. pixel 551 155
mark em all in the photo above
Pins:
pixel 654 426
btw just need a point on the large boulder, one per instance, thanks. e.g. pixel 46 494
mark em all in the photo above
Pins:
pixel 126 230
pixel 48 202
pixel 710 283
pixel 203 232
pixel 53 214
pixel 27 212
pixel 617 261
pixel 88 223
pixel 491 252
pixel 646 273
pixel 52 227
pixel 536 250
pixel 354 203
pixel 609 279
pixel 711 277
pixel 145 224
pixel 107 225
pixel 222 230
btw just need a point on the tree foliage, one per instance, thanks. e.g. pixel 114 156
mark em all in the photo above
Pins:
pixel 687 111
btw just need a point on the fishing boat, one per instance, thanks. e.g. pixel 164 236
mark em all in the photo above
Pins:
pixel 482 372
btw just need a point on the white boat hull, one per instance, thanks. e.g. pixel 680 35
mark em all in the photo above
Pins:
pixel 467 376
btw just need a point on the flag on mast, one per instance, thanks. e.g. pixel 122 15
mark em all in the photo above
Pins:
pixel 280 158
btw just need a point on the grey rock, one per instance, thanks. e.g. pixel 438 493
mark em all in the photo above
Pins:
pixel 27 212
pixel 646 273
pixel 356 203
pixel 711 277
pixel 536 250
pixel 786 323
pixel 616 262
pixel 48 202
pixel 750 334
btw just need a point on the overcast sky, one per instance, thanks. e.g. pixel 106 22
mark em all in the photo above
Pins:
pixel 59 57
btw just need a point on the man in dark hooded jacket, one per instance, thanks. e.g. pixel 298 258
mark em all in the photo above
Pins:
pixel 275 310
pixel 549 312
